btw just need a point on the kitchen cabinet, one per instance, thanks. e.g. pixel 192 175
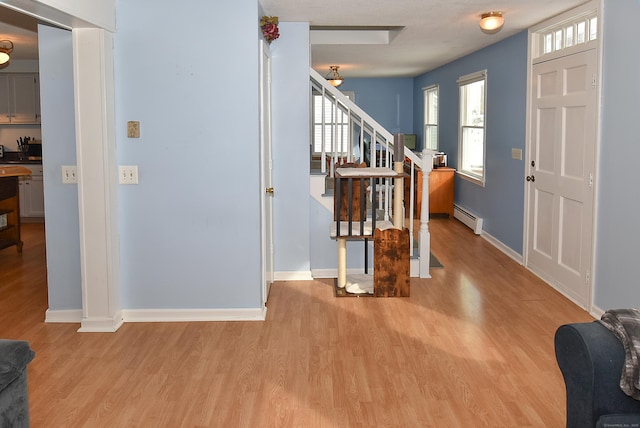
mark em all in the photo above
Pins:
pixel 32 193
pixel 10 206
pixel 441 191
pixel 19 98
pixel 32 196
pixel 9 210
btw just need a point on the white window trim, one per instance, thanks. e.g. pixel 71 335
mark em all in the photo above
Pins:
pixel 472 77
pixel 561 23
pixel 425 90
pixel 347 137
pixel 462 81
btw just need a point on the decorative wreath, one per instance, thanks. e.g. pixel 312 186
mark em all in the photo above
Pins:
pixel 269 26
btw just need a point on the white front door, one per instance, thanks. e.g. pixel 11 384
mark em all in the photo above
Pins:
pixel 561 173
pixel 266 199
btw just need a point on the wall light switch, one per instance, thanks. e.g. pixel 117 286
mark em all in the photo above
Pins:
pixel 128 174
pixel 133 129
pixel 69 174
pixel 516 154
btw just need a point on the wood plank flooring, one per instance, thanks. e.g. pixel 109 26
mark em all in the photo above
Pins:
pixel 471 347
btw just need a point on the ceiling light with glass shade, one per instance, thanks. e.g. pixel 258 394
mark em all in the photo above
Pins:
pixel 491 22
pixel 334 77
pixel 6 47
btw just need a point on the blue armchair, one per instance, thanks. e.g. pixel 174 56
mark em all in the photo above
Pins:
pixel 591 359
pixel 14 402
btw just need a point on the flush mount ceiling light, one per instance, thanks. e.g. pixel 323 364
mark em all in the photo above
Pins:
pixel 6 47
pixel 334 77
pixel 491 22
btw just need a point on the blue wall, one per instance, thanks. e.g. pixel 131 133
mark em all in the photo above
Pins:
pixel 290 133
pixel 501 202
pixel 61 200
pixel 617 231
pixel 389 101
pixel 190 231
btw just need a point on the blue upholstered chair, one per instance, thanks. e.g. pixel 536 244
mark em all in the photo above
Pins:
pixel 591 359
pixel 14 401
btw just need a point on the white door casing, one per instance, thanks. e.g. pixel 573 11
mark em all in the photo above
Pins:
pixel 561 173
pixel 266 173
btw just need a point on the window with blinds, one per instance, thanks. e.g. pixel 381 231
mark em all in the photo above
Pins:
pixel 472 145
pixel 330 127
pixel 431 117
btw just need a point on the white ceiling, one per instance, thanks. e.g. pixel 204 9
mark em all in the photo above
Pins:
pixel 435 32
pixel 22 30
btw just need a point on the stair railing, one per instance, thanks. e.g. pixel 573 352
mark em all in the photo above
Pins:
pixel 344 120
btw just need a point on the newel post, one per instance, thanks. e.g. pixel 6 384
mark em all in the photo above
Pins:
pixel 424 235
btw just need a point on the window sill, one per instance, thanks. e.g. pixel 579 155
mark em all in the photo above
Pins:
pixel 472 178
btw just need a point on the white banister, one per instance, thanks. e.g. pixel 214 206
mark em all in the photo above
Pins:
pixel 381 144
pixel 424 236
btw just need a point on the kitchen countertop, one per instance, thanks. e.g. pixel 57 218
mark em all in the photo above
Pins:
pixel 14 157
pixel 13 171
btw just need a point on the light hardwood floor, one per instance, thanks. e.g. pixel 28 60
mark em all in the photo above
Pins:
pixel 471 347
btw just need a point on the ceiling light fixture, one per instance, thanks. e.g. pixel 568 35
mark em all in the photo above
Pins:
pixel 334 77
pixel 491 22
pixel 6 47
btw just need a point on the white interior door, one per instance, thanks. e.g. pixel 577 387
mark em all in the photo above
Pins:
pixel 266 199
pixel 561 173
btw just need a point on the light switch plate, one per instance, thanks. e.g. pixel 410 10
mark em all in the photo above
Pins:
pixel 133 129
pixel 516 154
pixel 128 174
pixel 69 174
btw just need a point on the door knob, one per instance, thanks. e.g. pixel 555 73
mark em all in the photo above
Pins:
pixel 531 178
pixel 269 190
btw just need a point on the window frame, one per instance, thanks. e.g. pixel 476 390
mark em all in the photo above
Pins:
pixel 343 135
pixel 463 85
pixel 568 36
pixel 427 124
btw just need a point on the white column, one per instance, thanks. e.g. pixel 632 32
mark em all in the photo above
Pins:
pixel 424 235
pixel 97 180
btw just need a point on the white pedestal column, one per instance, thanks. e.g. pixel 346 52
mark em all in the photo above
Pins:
pixel 97 180
pixel 424 234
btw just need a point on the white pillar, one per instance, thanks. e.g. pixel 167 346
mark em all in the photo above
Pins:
pixel 97 179
pixel 424 235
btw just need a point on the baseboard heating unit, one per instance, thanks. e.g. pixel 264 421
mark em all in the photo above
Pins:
pixel 468 218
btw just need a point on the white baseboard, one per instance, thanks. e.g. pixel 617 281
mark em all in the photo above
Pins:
pixel 87 325
pixel 63 316
pixel 188 315
pixel 324 273
pixel 293 276
pixel 154 315
pixel 502 247
pixel 596 312
pixel 101 324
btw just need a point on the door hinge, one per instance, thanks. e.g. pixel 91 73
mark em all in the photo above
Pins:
pixel 587 278
pixel 590 180
pixel 593 80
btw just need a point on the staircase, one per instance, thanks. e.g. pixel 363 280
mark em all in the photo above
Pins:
pixel 344 133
